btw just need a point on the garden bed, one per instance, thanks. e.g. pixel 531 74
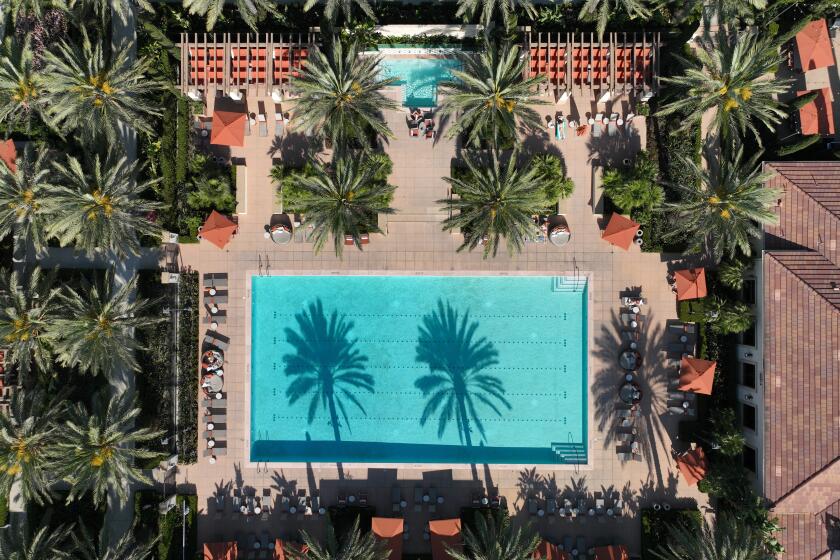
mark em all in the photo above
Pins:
pixel 149 523
pixel 655 526
pixel 187 433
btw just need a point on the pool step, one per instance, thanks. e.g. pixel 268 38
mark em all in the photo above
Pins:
pixel 567 284
pixel 569 453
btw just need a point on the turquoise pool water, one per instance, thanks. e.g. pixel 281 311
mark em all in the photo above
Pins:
pixel 408 369
pixel 420 77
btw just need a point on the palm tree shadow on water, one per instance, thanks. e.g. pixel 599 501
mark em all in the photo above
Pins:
pixel 325 365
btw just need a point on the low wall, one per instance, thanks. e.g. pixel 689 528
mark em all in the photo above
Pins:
pixel 452 30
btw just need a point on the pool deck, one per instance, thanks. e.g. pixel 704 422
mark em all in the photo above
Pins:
pixel 415 244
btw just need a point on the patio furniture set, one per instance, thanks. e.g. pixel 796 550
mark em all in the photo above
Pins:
pixel 614 123
pixel 581 508
pixel 212 368
pixel 680 402
pixel 421 123
pixel 629 392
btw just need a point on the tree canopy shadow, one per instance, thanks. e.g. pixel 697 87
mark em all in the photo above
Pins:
pixel 457 385
pixel 611 150
pixel 326 365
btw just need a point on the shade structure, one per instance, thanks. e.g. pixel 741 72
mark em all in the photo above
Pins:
pixel 814 46
pixel 817 117
pixel 228 128
pixel 390 530
pixel 548 551
pixel 613 552
pixel 445 532
pixel 8 154
pixel 691 283
pixel 220 551
pixel 218 229
pixel 620 231
pixel 696 375
pixel 694 465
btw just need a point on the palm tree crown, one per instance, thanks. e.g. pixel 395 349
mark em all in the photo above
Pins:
pixel 332 8
pixel 103 209
pixel 723 208
pixel 341 95
pixel 490 97
pixel 251 11
pixel 27 199
pixel 126 548
pixel 48 543
pixel 98 450
pixel 487 8
pixel 354 546
pixel 494 538
pixel 343 199
pixel 730 538
pixel 600 11
pixel 92 94
pixel 494 201
pixel 733 76
pixel 21 87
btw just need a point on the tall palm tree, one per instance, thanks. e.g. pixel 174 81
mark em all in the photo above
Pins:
pixel 98 451
pixel 251 11
pixel 37 8
pixel 28 199
pixel 344 199
pixel 126 548
pixel 734 77
pixel 28 437
pixel 103 208
pixel 21 86
pixel 27 311
pixel 488 8
pixel 326 365
pixel 724 208
pixel 48 543
pixel 354 546
pixel 95 330
pixel 495 538
pixel 332 8
pixel 457 383
pixel 91 93
pixel 490 97
pixel 494 201
pixel 341 95
pixel 600 11
pixel 729 538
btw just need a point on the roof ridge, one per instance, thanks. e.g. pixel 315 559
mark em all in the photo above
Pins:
pixel 773 254
pixel 790 494
pixel 803 191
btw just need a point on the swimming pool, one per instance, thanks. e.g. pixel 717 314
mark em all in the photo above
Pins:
pixel 419 369
pixel 419 77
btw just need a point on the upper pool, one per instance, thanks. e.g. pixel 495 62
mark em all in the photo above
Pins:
pixel 419 77
pixel 408 369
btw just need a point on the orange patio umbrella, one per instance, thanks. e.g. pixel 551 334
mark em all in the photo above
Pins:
pixel 697 375
pixel 228 128
pixel 220 551
pixel 613 552
pixel 548 551
pixel 620 231
pixel 445 532
pixel 814 46
pixel 390 530
pixel 218 229
pixel 691 283
pixel 8 154
pixel 694 465
pixel 817 117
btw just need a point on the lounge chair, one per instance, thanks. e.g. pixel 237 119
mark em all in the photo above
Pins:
pixel 581 547
pixel 284 508
pixel 629 317
pixel 596 130
pixel 533 506
pixel 342 499
pixel 432 499
pixel 676 348
pixel 396 498
pixel 550 505
pixel 220 449
pixel 568 544
pixel 418 499
pixel 567 508
pixel 215 434
pixel 611 126
pixel 316 505
pixel 599 506
pixel 363 498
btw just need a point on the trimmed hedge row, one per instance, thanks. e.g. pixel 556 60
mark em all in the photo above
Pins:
pixel 188 368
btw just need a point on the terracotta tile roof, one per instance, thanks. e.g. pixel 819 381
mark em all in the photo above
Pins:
pixel 809 536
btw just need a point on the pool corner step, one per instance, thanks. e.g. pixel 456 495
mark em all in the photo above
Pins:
pixel 569 453
pixel 568 284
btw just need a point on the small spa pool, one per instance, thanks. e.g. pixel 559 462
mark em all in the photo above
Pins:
pixel 419 77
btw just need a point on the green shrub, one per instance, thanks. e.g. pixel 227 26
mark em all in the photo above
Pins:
pixel 182 139
pixel 725 434
pixel 729 317
pixel 732 274
pixel 188 368
pixel 803 100
pixel 656 524
pixel 692 310
pixel 643 109
pixel 635 188
pixel 4 508
pixel 551 172
pixel 805 142
pixel 212 193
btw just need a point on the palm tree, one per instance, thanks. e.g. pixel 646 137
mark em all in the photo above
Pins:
pixel 354 546
pixel 724 208
pixel 344 199
pixel 456 385
pixel 495 538
pixel 27 199
pixel 326 364
pixel 27 311
pixel 98 451
pixel 92 94
pixel 21 86
pixel 37 8
pixel 126 548
pixel 490 97
pixel 507 8
pixel 28 435
pixel 333 7
pixel 730 538
pixel 251 11
pixel 95 330
pixel 103 208
pixel 341 95
pixel 48 543
pixel 734 77
pixel 600 10
pixel 494 201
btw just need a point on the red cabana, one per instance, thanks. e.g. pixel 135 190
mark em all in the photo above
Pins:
pixel 620 231
pixel 696 375
pixel 691 283
pixel 445 532
pixel 814 46
pixel 548 551
pixel 694 465
pixel 218 229
pixel 220 551
pixel 390 530
pixel 228 128
pixel 613 552
pixel 8 154
pixel 817 117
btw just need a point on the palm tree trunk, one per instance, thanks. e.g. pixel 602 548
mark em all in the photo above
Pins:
pixel 334 418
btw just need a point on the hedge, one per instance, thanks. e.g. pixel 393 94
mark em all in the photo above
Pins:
pixel 182 139
pixel 149 523
pixel 4 508
pixel 188 368
pixel 655 526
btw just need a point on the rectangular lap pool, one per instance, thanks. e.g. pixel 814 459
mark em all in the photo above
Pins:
pixel 419 77
pixel 408 369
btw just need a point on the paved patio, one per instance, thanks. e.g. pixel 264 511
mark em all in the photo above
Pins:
pixel 414 243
